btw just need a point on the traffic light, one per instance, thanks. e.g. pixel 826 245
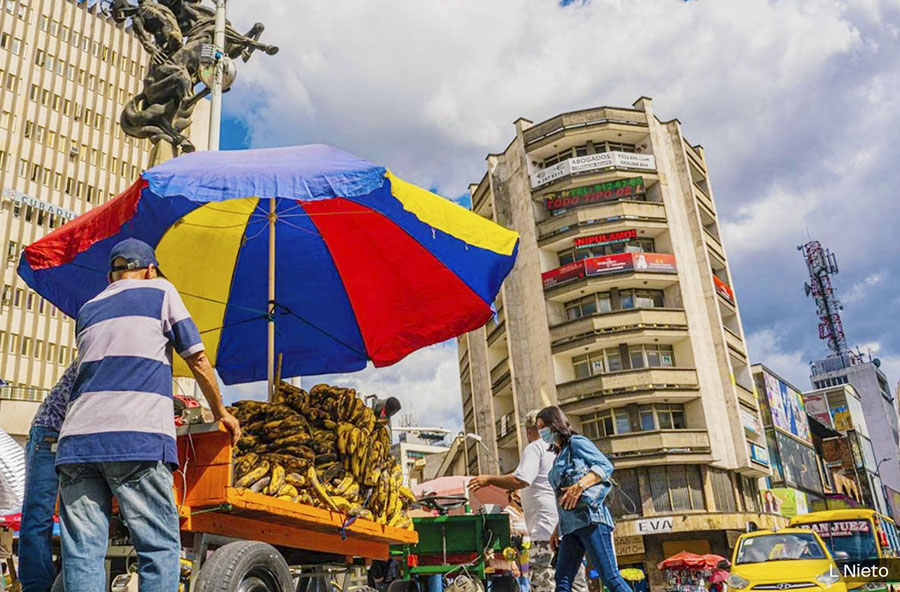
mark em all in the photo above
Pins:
pixel 385 408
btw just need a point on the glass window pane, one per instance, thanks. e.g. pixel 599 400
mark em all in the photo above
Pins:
pixel 573 311
pixel 613 360
pixel 588 306
pixel 665 420
pixel 666 359
pixel 626 299
pixel 608 426
pixel 637 358
pixel 623 425
pixel 565 258
pixel 653 359
pixel 582 370
pixel 604 304
pixel 647 420
pixel 596 367
pixel 678 420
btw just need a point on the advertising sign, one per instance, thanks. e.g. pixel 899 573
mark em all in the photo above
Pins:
pixel 750 420
pixel 786 406
pixel 629 545
pixel 798 463
pixel 38 204
pixel 817 406
pixel 654 525
pixel 840 528
pixel 723 289
pixel 758 454
pixel 610 264
pixel 592 162
pixel 598 192
pixel 608 238
pixel 840 416
pixel 785 501
pixel 562 274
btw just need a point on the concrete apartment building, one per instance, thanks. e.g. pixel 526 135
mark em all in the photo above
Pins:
pixel 880 409
pixel 66 71
pixel 620 310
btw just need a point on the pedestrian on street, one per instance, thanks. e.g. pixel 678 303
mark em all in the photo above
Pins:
pixel 118 436
pixel 538 503
pixel 36 568
pixel 581 481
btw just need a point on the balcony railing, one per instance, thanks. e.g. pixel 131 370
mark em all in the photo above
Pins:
pixel 602 213
pixel 506 425
pixel 23 393
pixel 609 265
pixel 590 163
pixel 570 333
pixel 578 120
pixel 625 381
pixel 655 442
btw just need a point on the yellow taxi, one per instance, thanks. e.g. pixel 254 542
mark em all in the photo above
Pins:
pixel 787 559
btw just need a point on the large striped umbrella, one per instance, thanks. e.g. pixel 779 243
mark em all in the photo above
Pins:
pixel 345 260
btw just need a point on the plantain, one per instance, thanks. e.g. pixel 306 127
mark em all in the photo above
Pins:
pixel 407 494
pixel 260 484
pixel 277 475
pixel 295 479
pixel 318 488
pixel 342 504
pixel 254 475
pixel 288 490
pixel 344 485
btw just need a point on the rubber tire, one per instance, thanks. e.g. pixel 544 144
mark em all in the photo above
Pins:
pixel 504 584
pixel 229 565
pixel 404 586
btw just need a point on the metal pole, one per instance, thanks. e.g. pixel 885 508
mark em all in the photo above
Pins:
pixel 270 365
pixel 215 108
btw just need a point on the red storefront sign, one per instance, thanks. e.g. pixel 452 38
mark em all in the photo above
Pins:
pixel 579 196
pixel 610 264
pixel 605 239
pixel 723 289
pixel 561 274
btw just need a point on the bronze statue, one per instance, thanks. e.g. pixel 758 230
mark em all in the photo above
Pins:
pixel 175 34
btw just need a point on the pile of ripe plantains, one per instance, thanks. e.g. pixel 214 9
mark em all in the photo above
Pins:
pixel 323 448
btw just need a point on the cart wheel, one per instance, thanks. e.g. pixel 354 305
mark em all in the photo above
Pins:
pixel 504 584
pixel 404 586
pixel 245 566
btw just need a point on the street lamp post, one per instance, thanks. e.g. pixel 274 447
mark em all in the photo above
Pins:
pixel 884 495
pixel 215 107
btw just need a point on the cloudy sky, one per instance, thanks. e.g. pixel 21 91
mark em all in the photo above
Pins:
pixel 795 103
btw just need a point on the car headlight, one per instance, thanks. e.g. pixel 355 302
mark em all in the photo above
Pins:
pixel 737 582
pixel 830 577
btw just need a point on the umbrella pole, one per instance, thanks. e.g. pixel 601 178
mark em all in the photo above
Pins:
pixel 270 362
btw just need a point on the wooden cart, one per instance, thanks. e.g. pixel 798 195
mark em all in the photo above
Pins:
pixel 215 515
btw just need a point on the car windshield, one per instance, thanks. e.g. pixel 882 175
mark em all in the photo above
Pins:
pixel 779 547
pixel 853 537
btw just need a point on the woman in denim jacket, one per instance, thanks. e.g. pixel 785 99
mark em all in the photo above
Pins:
pixel 580 476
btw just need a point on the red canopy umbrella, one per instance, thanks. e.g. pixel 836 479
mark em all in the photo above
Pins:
pixel 711 561
pixel 13 521
pixel 682 560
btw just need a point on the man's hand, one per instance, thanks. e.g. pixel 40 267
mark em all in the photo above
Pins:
pixel 232 425
pixel 570 496
pixel 476 483
pixel 554 539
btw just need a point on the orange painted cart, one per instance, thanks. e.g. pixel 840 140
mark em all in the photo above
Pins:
pixel 259 535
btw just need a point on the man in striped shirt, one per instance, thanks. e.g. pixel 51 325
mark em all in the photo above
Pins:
pixel 118 437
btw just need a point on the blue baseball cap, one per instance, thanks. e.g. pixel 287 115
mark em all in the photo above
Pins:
pixel 136 253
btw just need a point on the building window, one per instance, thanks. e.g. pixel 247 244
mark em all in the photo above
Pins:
pixel 637 245
pixel 12 251
pixel 670 416
pixel 63 354
pixel 651 356
pixel 17 299
pixel 7 295
pixel 13 343
pixel 614 147
pixel 29 301
pixel 595 363
pixel 641 299
pixel 589 305
pixel 26 346
pixel 37 349
pixel 723 490
pixel 51 352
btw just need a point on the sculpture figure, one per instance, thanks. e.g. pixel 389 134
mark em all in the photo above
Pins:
pixel 178 35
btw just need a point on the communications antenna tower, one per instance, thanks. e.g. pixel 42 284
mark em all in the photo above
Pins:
pixel 822 264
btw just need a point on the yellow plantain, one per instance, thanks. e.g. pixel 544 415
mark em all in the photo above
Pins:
pixel 288 490
pixel 318 488
pixel 407 494
pixel 260 485
pixel 251 477
pixel 344 485
pixel 277 476
pixel 295 479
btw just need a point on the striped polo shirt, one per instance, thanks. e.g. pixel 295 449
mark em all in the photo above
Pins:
pixel 121 406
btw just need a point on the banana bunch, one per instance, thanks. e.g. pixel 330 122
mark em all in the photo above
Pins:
pixel 323 448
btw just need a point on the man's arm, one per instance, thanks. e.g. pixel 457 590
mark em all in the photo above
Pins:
pixel 206 379
pixel 508 482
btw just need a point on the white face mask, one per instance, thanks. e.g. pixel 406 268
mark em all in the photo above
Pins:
pixel 547 435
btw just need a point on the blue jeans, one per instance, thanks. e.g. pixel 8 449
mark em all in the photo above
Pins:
pixel 144 493
pixel 36 568
pixel 596 540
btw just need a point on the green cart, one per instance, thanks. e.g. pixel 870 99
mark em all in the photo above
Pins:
pixel 467 551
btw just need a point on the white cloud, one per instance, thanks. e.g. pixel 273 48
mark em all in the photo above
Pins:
pixel 862 289
pixel 766 346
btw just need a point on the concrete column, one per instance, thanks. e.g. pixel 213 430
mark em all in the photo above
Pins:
pixel 482 401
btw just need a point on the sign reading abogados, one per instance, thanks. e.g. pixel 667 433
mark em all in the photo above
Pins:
pixel 579 196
